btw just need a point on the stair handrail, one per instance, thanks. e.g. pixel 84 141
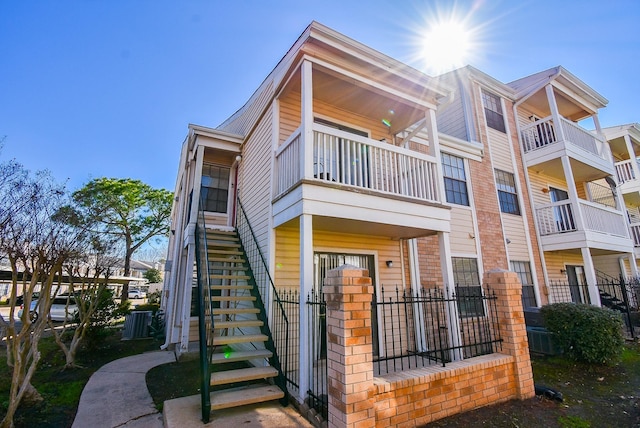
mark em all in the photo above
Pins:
pixel 205 333
pixel 241 216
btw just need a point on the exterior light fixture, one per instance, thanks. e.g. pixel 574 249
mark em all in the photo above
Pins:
pixel 389 263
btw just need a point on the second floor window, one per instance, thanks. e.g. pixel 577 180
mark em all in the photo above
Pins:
pixel 507 194
pixel 214 191
pixel 493 111
pixel 455 180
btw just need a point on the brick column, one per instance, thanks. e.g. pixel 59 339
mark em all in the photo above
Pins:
pixel 348 292
pixel 513 330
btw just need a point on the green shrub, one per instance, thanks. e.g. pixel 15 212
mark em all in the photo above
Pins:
pixel 153 307
pixel 584 332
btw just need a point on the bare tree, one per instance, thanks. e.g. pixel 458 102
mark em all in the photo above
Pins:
pixel 88 275
pixel 36 246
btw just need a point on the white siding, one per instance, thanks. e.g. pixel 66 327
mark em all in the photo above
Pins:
pixel 451 119
pixel 462 236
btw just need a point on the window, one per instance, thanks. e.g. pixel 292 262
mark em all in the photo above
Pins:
pixel 507 194
pixel 455 181
pixel 493 111
pixel 214 192
pixel 468 289
pixel 523 269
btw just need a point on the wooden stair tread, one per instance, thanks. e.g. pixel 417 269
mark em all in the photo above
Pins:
pixel 243 338
pixel 222 237
pixel 235 356
pixel 238 323
pixel 231 252
pixel 227 244
pixel 220 267
pixel 230 311
pixel 243 396
pixel 242 375
pixel 227 259
pixel 231 276
pixel 231 287
pixel 232 298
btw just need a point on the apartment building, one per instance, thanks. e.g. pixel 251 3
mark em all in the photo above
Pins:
pixel 344 156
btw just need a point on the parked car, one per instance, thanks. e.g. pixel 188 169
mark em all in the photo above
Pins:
pixel 63 308
pixel 136 293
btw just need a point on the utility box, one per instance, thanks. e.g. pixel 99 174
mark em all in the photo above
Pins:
pixel 136 325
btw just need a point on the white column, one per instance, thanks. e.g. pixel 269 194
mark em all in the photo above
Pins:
pixel 553 105
pixel 434 150
pixel 306 286
pixel 573 193
pixel 592 280
pixel 633 265
pixel 450 287
pixel 197 182
pixel 187 276
pixel 306 113
pixel 632 157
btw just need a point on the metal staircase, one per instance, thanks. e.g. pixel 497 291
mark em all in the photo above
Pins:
pixel 241 365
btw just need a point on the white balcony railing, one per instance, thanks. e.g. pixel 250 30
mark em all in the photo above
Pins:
pixel 561 217
pixel 625 171
pixel 543 132
pixel 358 162
pixel 635 234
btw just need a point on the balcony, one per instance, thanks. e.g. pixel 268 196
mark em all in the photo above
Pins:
pixel 542 145
pixel 566 225
pixel 629 183
pixel 359 180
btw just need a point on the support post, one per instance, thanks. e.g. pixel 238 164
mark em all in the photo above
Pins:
pixel 348 292
pixel 513 329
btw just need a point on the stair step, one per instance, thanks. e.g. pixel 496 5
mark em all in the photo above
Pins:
pixel 229 268
pixel 231 287
pixel 220 237
pixel 223 244
pixel 229 252
pixel 243 396
pixel 232 276
pixel 232 311
pixel 227 259
pixel 233 356
pixel 233 298
pixel 244 338
pixel 238 324
pixel 242 375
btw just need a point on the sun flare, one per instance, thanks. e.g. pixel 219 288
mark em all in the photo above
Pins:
pixel 446 46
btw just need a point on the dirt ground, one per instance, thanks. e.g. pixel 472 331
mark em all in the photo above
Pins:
pixel 593 396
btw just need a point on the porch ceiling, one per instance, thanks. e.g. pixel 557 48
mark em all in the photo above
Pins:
pixel 582 172
pixel 351 95
pixel 567 107
pixel 355 227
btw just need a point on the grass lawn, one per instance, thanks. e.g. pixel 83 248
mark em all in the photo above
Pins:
pixel 594 396
pixel 61 389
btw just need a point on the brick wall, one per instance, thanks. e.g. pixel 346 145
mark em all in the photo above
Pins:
pixel 415 397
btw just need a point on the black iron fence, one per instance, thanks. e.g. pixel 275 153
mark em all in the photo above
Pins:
pixel 563 292
pixel 409 330
pixel 317 333
pixel 428 326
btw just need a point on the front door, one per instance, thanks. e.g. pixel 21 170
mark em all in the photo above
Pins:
pixel 577 283
pixel 324 262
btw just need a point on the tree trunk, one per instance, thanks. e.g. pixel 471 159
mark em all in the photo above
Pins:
pixel 127 273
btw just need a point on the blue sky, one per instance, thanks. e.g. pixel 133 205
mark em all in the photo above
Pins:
pixel 107 88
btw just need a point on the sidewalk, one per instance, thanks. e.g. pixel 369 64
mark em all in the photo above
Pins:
pixel 117 395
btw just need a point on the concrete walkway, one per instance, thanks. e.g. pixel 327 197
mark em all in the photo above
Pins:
pixel 117 395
